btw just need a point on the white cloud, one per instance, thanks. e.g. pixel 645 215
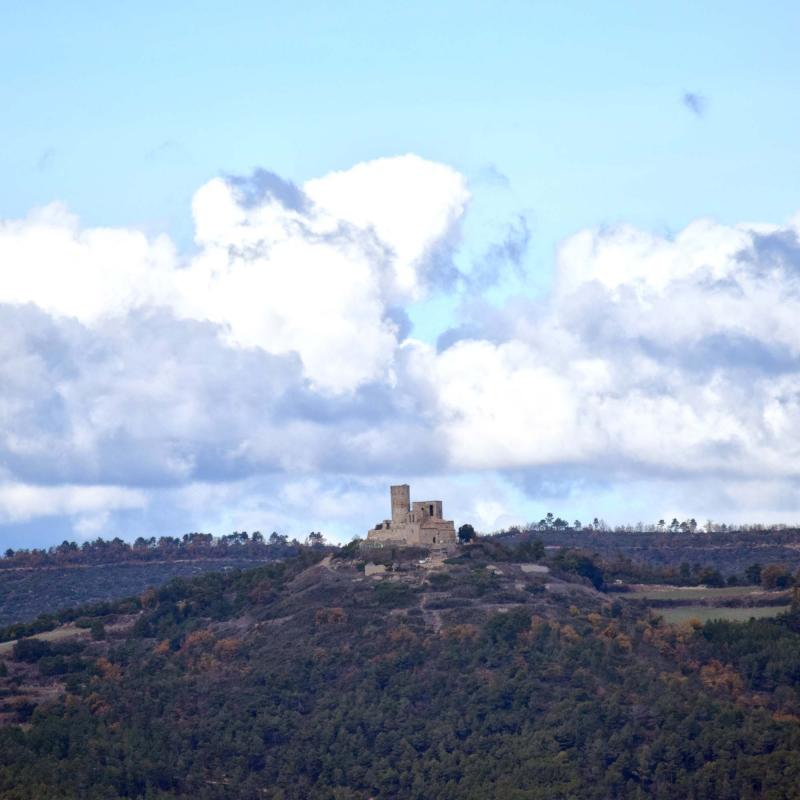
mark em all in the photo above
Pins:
pixel 268 362
pixel 500 408
pixel 287 282
pixel 316 280
pixel 676 355
pixel 646 262
pixel 48 260
pixel 20 501
pixel 412 206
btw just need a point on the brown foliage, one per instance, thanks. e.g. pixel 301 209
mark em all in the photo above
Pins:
pixel 162 648
pixel 569 633
pixel 402 633
pixel 330 616
pixel 718 676
pixel 780 716
pixel 197 639
pixel 460 632
pixel 227 648
pixel 97 705
pixel 111 672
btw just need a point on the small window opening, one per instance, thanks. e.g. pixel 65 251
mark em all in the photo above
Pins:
pixel 431 508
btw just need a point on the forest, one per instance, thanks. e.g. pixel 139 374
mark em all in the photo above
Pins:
pixel 304 679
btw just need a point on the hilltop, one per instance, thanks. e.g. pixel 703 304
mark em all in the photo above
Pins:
pixel 39 582
pixel 474 677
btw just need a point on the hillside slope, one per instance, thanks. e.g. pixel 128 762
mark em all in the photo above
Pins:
pixel 474 680
pixel 25 593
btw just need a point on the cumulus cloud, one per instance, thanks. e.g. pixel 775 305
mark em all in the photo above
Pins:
pixel 274 371
pixel 672 355
pixel 312 270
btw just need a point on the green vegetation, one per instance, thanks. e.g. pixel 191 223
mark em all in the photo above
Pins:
pixel 305 681
pixel 466 533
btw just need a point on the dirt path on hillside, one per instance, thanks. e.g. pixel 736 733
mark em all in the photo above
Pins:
pixel 432 616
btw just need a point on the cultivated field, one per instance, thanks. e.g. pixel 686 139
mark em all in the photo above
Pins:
pixel 706 613
pixel 642 591
pixel 57 635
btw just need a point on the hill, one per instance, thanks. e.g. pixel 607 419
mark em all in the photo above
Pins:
pixel 479 677
pixel 37 582
pixel 729 551
pixel 27 593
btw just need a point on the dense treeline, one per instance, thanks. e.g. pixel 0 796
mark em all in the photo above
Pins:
pixel 165 548
pixel 689 526
pixel 626 570
pixel 345 691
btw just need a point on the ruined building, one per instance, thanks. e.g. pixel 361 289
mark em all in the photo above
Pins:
pixel 417 523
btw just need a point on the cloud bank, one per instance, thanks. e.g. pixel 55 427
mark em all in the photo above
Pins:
pixel 272 373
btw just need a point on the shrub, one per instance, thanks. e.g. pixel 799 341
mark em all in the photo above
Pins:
pixel 394 595
pixel 31 650
pixel 776 576
pixel 98 630
pixel 504 628
pixel 466 533
pixel 439 580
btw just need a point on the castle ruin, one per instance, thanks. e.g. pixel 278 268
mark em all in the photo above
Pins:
pixel 417 523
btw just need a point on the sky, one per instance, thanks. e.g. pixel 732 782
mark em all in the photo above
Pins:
pixel 258 261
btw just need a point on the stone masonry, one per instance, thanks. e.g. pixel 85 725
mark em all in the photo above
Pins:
pixel 417 523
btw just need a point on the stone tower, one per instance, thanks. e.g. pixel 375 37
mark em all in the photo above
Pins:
pixel 401 503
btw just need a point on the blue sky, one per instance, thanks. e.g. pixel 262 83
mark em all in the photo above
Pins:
pixel 559 117
pixel 122 111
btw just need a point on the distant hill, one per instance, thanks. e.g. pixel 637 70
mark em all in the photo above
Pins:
pixel 730 551
pixel 25 593
pixel 35 582
pixel 480 677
